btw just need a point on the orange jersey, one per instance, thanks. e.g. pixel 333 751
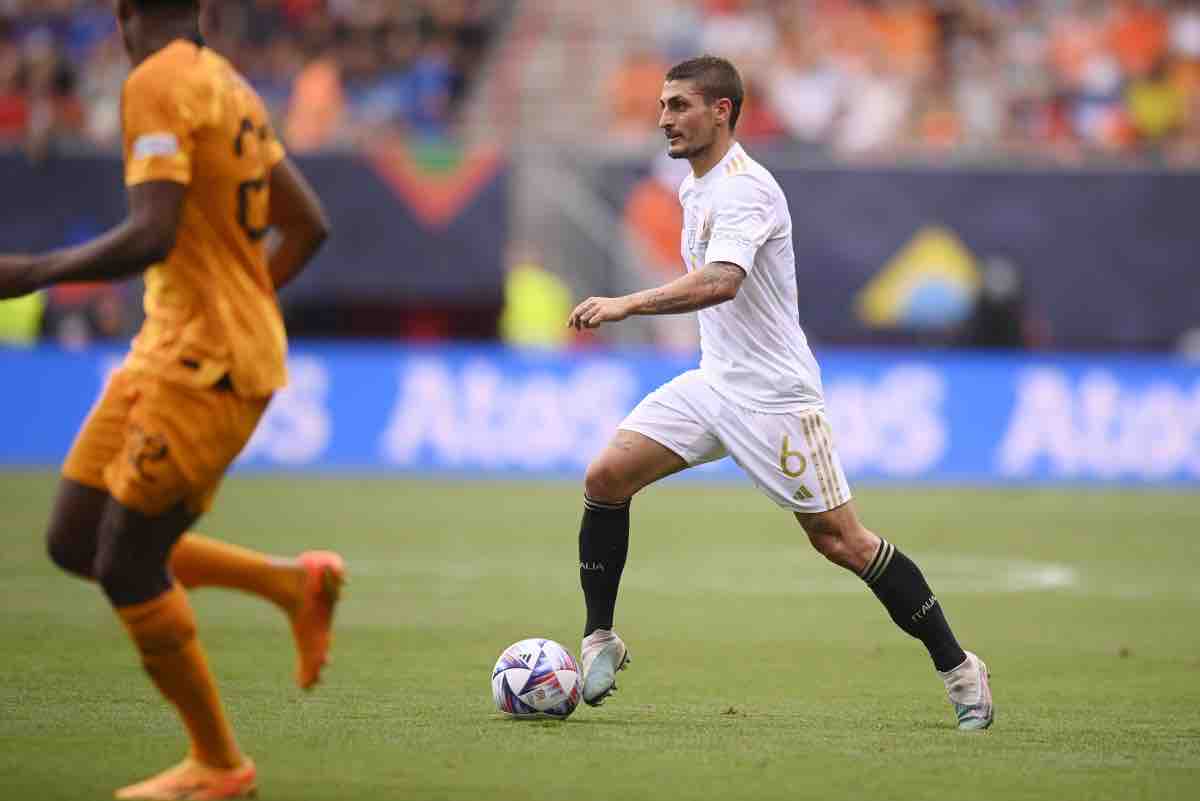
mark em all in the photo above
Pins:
pixel 211 309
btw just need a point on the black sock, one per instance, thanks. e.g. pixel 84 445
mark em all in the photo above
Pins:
pixel 899 585
pixel 603 546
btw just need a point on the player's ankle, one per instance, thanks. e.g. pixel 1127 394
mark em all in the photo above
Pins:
pixel 290 567
pixel 218 761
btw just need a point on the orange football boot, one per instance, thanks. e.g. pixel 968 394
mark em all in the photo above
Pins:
pixel 193 781
pixel 312 619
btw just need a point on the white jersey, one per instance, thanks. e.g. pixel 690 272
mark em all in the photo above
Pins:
pixel 753 351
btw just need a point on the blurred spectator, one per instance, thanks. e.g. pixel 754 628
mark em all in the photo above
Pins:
pixel 14 106
pixel 76 315
pixel 1138 37
pixel 21 319
pixel 1000 318
pixel 633 92
pixel 1155 106
pixel 317 106
pixel 804 87
pixel 536 303
pixel 878 106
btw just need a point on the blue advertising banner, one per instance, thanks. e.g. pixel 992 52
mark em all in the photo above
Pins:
pixel 906 416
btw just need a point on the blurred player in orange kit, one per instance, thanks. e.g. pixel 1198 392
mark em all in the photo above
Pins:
pixel 207 181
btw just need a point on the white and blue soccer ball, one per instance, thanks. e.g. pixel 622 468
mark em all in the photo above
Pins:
pixel 536 678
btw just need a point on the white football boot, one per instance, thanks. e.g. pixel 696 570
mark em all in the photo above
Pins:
pixel 602 654
pixel 967 687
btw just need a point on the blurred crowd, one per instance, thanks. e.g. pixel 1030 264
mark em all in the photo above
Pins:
pixel 331 71
pixel 1064 80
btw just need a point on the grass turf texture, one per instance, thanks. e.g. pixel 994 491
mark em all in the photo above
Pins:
pixel 759 671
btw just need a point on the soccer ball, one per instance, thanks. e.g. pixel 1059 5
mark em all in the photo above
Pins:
pixel 536 678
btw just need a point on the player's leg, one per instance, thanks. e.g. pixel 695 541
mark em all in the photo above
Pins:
pixel 200 561
pixel 839 536
pixel 629 463
pixel 791 457
pixel 178 443
pixel 902 589
pixel 131 567
pixel 666 433
pixel 306 588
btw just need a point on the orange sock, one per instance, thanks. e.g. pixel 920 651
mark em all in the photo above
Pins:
pixel 164 630
pixel 198 561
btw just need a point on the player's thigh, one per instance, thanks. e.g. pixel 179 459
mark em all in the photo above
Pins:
pixel 790 457
pixel 179 443
pixel 628 464
pixel 74 526
pixel 133 550
pixel 671 429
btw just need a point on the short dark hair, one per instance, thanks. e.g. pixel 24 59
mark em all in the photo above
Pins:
pixel 715 77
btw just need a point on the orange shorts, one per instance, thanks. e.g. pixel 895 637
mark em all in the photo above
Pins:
pixel 152 444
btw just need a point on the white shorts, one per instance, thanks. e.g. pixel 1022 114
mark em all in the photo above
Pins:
pixel 789 456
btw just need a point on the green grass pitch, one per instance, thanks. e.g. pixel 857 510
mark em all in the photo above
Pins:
pixel 760 672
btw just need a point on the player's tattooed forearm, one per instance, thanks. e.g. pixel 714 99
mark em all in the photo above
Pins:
pixel 721 280
pixel 720 273
pixel 660 302
pixel 713 283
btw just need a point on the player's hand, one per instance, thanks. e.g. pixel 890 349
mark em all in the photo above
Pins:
pixel 17 276
pixel 594 311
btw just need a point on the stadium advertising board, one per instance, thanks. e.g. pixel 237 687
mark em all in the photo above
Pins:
pixel 904 416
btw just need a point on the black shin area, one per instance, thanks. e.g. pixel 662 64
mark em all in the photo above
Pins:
pixel 133 550
pixel 603 547
pixel 74 527
pixel 898 583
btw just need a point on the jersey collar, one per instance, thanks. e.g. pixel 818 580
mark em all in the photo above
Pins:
pixel 735 149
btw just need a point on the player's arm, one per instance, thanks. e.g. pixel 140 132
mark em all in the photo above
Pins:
pixel 742 220
pixel 717 282
pixel 299 220
pixel 143 239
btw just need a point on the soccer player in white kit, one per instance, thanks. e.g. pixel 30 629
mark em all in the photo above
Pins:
pixel 756 397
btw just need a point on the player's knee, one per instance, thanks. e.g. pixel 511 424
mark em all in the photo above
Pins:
pixel 64 550
pixel 129 581
pixel 848 546
pixel 604 481
pixel 832 547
